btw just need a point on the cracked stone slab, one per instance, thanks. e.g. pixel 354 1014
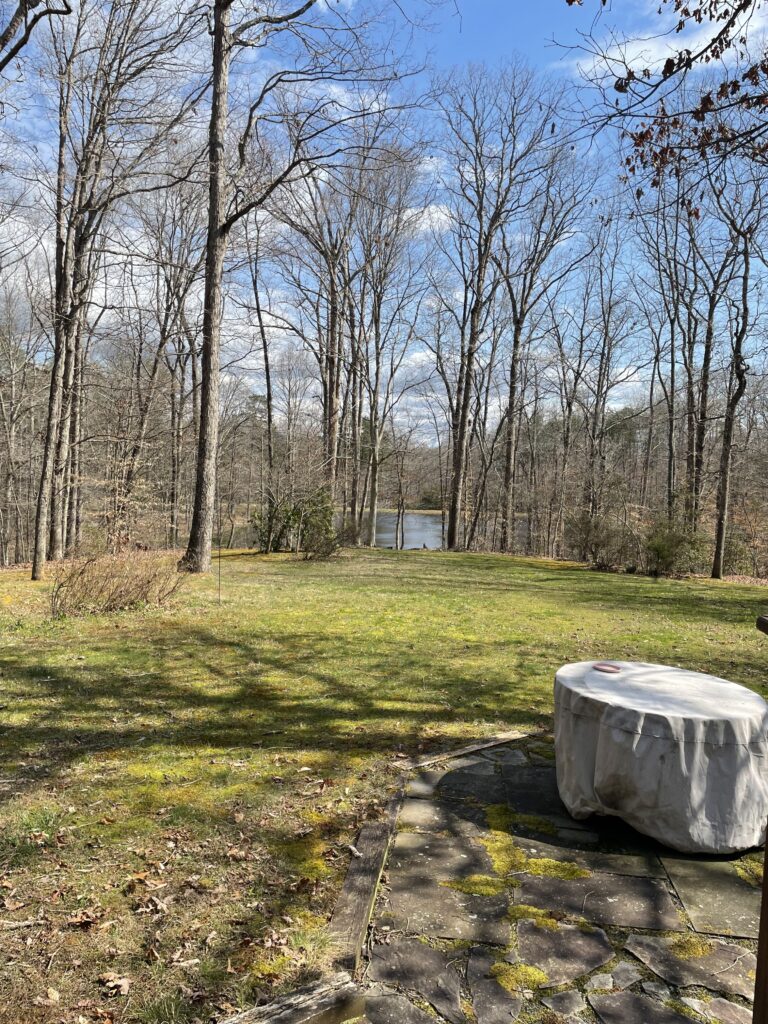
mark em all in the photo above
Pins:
pixel 565 1002
pixel 564 953
pixel 657 990
pixel 506 755
pixel 423 785
pixel 412 965
pixel 625 975
pixel 435 816
pixel 578 835
pixel 476 764
pixel 440 912
pixel 420 855
pixel 630 1008
pixel 641 865
pixel 385 1006
pixel 533 790
pixel 621 901
pixel 716 899
pixel 468 784
pixel 492 1003
pixel 725 968
pixel 599 982
pixel 723 1012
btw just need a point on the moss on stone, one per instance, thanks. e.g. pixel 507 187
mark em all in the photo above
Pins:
pixel 501 819
pixel 505 855
pixel 478 885
pixel 534 823
pixel 515 977
pixel 750 869
pixel 546 867
pixel 690 946
pixel 687 1011
pixel 508 858
pixel 524 912
pixel 542 750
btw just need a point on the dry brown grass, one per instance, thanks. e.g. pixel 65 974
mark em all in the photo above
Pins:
pixel 114 583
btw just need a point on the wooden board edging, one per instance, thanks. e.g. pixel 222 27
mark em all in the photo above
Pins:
pixel 349 924
pixel 496 741
pixel 335 1000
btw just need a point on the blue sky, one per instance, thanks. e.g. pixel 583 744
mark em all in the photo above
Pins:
pixel 489 30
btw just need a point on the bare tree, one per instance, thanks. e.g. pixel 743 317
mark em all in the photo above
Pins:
pixel 17 28
pixel 290 125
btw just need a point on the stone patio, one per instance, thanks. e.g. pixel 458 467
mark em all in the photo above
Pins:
pixel 497 906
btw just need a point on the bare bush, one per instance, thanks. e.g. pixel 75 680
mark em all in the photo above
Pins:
pixel 113 583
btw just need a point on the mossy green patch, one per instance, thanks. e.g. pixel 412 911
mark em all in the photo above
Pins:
pixel 524 912
pixel 533 822
pixel 688 946
pixel 518 977
pixel 687 1011
pixel 221 756
pixel 542 750
pixel 508 858
pixel 750 869
pixel 478 885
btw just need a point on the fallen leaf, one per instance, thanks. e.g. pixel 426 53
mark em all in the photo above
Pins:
pixel 85 918
pixel 115 985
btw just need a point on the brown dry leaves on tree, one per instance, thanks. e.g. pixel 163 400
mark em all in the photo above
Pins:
pixel 666 126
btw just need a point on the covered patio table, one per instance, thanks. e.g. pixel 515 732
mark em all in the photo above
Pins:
pixel 681 756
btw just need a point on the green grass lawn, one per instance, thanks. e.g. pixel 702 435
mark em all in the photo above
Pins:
pixel 178 788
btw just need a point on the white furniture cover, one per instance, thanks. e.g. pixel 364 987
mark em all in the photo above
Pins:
pixel 681 756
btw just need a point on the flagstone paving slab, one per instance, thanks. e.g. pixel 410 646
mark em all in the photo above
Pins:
pixel 418 855
pixel 716 899
pixel 724 1012
pixel 465 783
pixel 436 816
pixel 492 1003
pixel 642 865
pixel 505 755
pixel 724 967
pixel 620 901
pixel 413 965
pixel 565 952
pixel 625 975
pixel 533 791
pixel 630 1008
pixel 565 1002
pixel 555 924
pixel 385 1006
pixel 437 911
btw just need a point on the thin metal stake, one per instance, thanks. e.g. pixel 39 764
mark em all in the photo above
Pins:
pixel 760 1012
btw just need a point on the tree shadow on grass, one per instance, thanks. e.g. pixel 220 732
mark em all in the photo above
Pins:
pixel 304 692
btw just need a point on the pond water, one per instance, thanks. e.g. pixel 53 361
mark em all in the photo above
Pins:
pixel 420 529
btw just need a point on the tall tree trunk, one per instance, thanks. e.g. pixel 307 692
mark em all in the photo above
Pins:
pixel 738 385
pixel 197 557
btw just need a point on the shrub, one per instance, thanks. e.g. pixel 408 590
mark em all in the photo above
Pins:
pixel 739 556
pixel 306 526
pixel 605 540
pixel 112 583
pixel 274 526
pixel 317 536
pixel 671 548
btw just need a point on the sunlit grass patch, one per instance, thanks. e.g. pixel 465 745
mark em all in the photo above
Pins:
pixel 194 777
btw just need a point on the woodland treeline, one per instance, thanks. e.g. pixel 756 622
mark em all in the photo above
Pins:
pixel 422 291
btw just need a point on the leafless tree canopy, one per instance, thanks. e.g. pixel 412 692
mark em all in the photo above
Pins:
pixel 255 262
